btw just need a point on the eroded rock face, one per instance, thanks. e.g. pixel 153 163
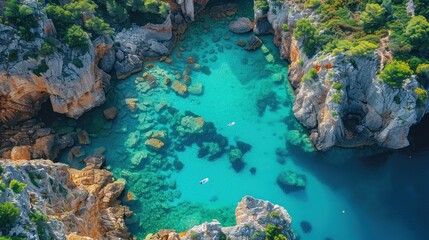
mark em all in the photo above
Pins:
pixel 252 216
pixel 27 80
pixel 363 110
pixel 80 204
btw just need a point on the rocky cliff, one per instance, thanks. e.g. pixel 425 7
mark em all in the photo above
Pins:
pixel 361 109
pixel 70 78
pixel 255 218
pixel 78 204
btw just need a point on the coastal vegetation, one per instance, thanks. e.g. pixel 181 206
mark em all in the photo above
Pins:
pixel 356 28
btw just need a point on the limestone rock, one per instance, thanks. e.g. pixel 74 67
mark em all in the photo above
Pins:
pixel 179 88
pixel 241 25
pixel 154 144
pixel 196 89
pixel 20 153
pixel 110 113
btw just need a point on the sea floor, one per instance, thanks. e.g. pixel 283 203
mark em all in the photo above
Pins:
pixel 350 194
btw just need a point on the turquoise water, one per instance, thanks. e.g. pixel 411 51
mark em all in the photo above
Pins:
pixel 348 195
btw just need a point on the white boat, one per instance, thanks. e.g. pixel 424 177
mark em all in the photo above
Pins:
pixel 204 181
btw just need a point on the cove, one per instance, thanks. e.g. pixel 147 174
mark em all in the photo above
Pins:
pixel 363 193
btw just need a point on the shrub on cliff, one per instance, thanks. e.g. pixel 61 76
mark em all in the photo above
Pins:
pixel 118 12
pixel 17 186
pixel 8 215
pixel 418 33
pixel 22 16
pixel 422 95
pixel 62 18
pixel 423 71
pixel 306 31
pixel 357 49
pixel 274 233
pixel 76 37
pixel 97 26
pixel 395 73
pixel 40 221
pixel 262 5
pixel 373 16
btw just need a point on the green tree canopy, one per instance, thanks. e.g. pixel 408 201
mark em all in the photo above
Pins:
pixel 417 31
pixel 8 214
pixel 306 31
pixel 76 37
pixel 98 26
pixel 373 15
pixel 395 73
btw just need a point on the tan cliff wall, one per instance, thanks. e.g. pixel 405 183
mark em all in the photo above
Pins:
pixel 80 204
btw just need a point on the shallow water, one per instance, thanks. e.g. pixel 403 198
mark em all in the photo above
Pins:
pixel 350 194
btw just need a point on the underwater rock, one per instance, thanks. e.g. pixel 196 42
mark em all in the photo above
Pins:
pixel 223 10
pixel 211 150
pixel 281 153
pixel 269 58
pixel 94 161
pixel 110 113
pixel 290 181
pixel 178 165
pixel 294 137
pixel 138 157
pixel 154 144
pixel 241 43
pixel 253 43
pixel 277 78
pixel 241 25
pixel 236 159
pixel 306 226
pixel 132 140
pixel 244 147
pixel 179 88
pixel 196 89
pixel 264 49
pixel 190 60
pixel 267 100
pixel 131 103
pixel 190 125
pixel 252 170
pixel 83 137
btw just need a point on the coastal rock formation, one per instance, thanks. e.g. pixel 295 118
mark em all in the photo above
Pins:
pixel 153 40
pixel 290 181
pixel 241 25
pixel 69 78
pixel 78 204
pixel 31 140
pixel 253 218
pixel 361 109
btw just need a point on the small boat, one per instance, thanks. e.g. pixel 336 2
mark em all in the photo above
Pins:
pixel 204 181
pixel 230 124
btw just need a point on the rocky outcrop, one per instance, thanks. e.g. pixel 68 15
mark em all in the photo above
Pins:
pixel 32 140
pixel 361 109
pixel 153 40
pixel 241 25
pixel 79 204
pixel 253 217
pixel 69 78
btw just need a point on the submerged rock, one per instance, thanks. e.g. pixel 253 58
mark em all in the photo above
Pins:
pixel 110 113
pixel 241 25
pixel 290 181
pixel 306 226
pixel 253 43
pixel 179 88
pixel 196 89
pixel 154 144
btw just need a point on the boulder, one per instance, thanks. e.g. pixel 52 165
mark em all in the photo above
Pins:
pixel 179 88
pixel 196 89
pixel 190 125
pixel 241 25
pixel 110 113
pixel 154 144
pixel 94 161
pixel 253 43
pixel 20 153
pixel 290 181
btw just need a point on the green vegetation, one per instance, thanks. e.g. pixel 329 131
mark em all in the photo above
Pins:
pixel 17 186
pixel 48 47
pixel 373 16
pixel 336 97
pixel 98 26
pixel 274 233
pixel 78 63
pixel 76 37
pixel 285 27
pixel 3 186
pixel 41 68
pixel 337 86
pixel 310 75
pixel 395 73
pixel 8 215
pixel 22 16
pixel 417 32
pixel 40 220
pixel 422 95
pixel 306 31
pixel 10 238
pixel 423 71
pixel 357 49
pixel 262 5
